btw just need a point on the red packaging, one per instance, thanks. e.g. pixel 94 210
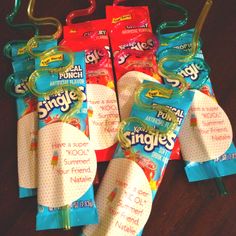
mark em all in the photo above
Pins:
pixel 131 30
pixel 92 37
pixel 135 60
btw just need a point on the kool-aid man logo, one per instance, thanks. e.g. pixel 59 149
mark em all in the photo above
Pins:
pixel 63 101
pixel 150 141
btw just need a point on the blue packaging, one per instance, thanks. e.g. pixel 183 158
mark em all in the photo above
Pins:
pixel 66 160
pixel 23 65
pixel 181 41
pixel 196 72
pixel 125 196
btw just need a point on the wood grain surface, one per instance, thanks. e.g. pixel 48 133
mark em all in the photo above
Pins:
pixel 180 208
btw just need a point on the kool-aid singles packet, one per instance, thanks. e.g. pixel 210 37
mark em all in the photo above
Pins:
pixel 27 126
pixel 26 133
pixel 133 43
pixel 66 159
pixel 133 48
pixel 206 137
pixel 180 43
pixel 125 196
pixel 103 114
pixel 128 83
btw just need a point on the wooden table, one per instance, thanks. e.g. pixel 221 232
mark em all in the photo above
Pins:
pixel 180 208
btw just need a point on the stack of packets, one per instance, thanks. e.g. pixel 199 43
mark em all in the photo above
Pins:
pixel 68 120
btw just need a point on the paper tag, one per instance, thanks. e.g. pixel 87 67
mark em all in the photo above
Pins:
pixel 103 116
pixel 207 132
pixel 126 87
pixel 66 164
pixel 26 150
pixel 124 200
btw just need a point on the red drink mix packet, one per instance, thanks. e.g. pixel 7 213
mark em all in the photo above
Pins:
pixel 131 31
pixel 92 37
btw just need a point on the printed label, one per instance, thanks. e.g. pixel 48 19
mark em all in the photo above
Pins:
pixel 26 150
pixel 191 70
pixel 149 141
pixel 21 51
pixel 94 56
pixel 143 26
pixel 207 132
pixel 121 18
pixel 157 93
pixel 67 164
pixel 194 72
pixel 46 61
pixel 75 72
pixel 103 116
pixel 124 200
pixel 63 100
pixel 185 46
pixel 139 45
pixel 21 88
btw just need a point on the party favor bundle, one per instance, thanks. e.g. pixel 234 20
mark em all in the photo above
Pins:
pixel 68 108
